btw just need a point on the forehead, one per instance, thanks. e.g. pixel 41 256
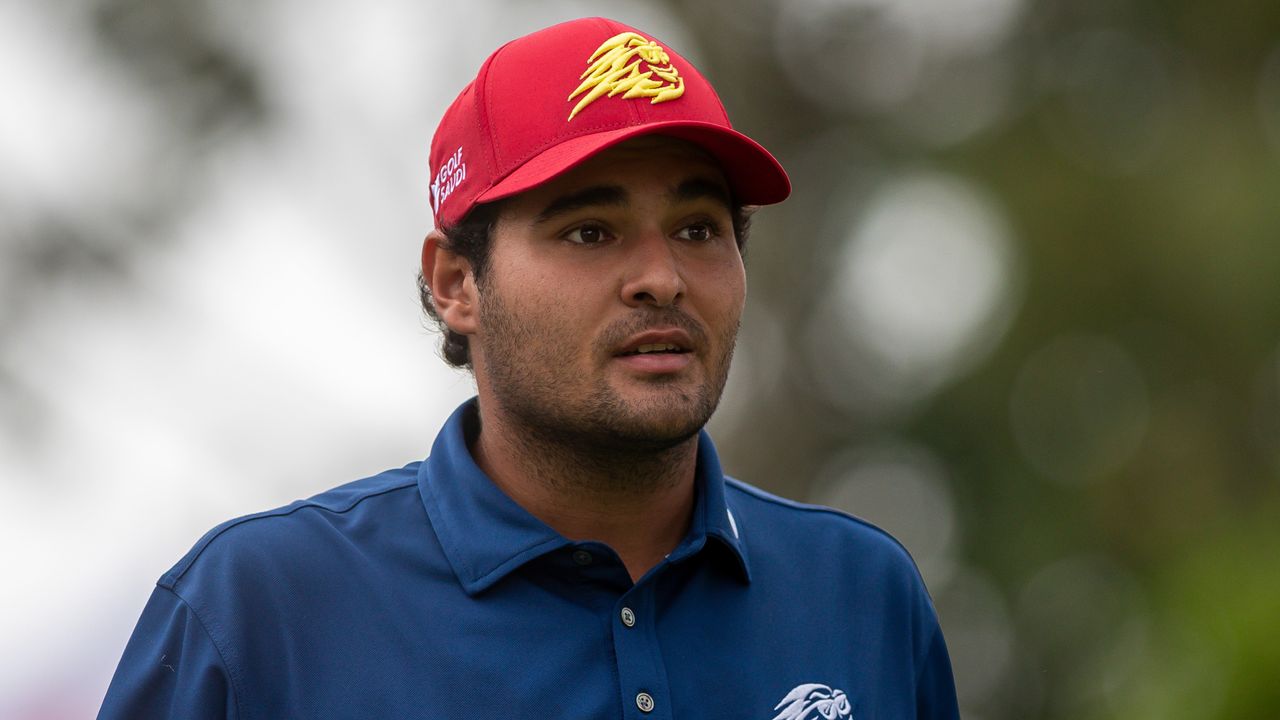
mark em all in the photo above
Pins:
pixel 646 163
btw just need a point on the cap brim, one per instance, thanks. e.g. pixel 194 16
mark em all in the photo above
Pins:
pixel 754 175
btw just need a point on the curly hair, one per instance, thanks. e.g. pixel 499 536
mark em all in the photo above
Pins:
pixel 471 240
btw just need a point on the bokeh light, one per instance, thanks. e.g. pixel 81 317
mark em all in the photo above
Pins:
pixel 923 289
pixel 981 639
pixel 903 489
pixel 1265 416
pixel 1079 408
pixel 858 55
pixel 1115 98
pixel 1084 620
pixel 1269 99
pixel 74 132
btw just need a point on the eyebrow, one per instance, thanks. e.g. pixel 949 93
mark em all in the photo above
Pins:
pixel 701 188
pixel 697 188
pixel 594 196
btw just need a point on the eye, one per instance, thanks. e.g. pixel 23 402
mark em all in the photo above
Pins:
pixel 698 232
pixel 587 234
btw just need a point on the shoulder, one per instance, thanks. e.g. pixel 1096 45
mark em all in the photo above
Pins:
pixel 813 521
pixel 837 562
pixel 792 532
pixel 300 529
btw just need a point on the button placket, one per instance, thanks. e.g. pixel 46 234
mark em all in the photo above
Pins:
pixel 642 674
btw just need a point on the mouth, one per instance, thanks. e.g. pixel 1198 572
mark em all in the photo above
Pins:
pixel 655 349
pixel 657 352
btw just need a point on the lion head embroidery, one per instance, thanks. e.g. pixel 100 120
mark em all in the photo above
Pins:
pixel 813 701
pixel 615 67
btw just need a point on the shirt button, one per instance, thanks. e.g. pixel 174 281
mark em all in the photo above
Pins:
pixel 628 617
pixel 582 557
pixel 644 701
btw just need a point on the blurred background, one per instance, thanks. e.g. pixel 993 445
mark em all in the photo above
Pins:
pixel 1023 309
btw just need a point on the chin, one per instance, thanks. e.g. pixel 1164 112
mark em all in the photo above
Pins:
pixel 658 422
pixel 614 415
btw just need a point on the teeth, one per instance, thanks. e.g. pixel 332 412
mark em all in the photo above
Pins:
pixel 656 347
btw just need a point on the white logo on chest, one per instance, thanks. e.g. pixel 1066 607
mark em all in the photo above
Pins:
pixel 812 701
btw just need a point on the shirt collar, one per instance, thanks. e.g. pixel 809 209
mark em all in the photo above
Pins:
pixel 485 535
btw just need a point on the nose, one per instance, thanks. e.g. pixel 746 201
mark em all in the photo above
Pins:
pixel 653 273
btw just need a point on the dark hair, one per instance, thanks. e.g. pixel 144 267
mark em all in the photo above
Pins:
pixel 470 239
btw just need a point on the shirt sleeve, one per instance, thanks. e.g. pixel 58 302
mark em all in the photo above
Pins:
pixel 170 669
pixel 935 686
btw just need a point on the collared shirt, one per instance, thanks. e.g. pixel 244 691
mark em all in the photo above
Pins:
pixel 426 592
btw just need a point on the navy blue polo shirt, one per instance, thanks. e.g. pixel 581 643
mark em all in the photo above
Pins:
pixel 426 592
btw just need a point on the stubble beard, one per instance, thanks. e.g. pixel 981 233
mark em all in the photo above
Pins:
pixel 587 421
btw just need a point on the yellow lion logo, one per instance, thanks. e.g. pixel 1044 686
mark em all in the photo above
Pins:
pixel 615 68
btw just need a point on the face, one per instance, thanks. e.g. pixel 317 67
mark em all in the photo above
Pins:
pixel 611 303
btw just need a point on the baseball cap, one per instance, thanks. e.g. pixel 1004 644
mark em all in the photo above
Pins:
pixel 545 102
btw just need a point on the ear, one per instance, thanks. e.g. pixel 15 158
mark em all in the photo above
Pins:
pixel 452 282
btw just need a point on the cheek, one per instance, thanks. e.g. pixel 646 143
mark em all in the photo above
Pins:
pixel 726 284
pixel 550 305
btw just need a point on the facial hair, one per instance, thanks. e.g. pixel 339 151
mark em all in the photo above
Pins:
pixel 585 419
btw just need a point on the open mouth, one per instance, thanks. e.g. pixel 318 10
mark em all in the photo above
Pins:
pixel 656 348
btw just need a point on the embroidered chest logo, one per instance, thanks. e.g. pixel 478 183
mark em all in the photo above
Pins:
pixel 616 67
pixel 812 701
pixel 451 174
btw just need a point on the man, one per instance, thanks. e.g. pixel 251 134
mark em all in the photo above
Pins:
pixel 570 548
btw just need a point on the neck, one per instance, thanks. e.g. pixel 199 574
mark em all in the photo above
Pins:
pixel 638 502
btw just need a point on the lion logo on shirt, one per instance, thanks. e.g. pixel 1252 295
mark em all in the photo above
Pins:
pixel 813 701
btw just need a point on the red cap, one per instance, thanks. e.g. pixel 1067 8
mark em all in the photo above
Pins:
pixel 545 102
